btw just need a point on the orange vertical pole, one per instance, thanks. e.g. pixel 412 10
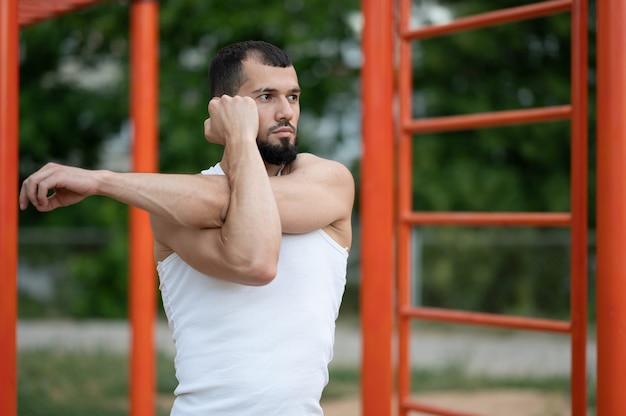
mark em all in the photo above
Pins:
pixel 611 208
pixel 579 182
pixel 377 195
pixel 144 109
pixel 405 205
pixel 9 73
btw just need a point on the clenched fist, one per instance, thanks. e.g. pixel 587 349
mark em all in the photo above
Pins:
pixel 231 119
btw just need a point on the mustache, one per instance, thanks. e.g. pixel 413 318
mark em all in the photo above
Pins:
pixel 280 125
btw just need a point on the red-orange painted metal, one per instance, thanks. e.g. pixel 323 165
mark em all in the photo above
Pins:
pixel 483 20
pixel 576 219
pixel 144 110
pixel 433 410
pixel 9 73
pixel 480 318
pixel 611 208
pixel 510 219
pixel 377 193
pixel 144 97
pixel 578 206
pixel 404 192
pixel 33 11
pixel 494 119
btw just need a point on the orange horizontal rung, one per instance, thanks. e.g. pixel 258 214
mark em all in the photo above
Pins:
pixel 537 219
pixel 512 14
pixel 487 319
pixel 33 11
pixel 492 119
pixel 433 410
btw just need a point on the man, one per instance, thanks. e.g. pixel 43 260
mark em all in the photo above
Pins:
pixel 251 255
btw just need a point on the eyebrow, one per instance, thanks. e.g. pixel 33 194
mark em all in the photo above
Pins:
pixel 274 90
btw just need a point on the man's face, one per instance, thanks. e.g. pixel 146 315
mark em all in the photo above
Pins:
pixel 277 95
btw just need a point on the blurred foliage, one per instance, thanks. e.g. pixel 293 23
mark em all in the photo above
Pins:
pixel 77 67
pixel 520 168
pixel 521 271
pixel 97 269
pixel 514 66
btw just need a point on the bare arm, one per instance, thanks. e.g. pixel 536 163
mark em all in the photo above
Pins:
pixel 249 240
pixel 315 194
pixel 245 249
pixel 190 200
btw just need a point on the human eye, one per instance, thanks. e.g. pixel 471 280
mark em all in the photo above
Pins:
pixel 294 98
pixel 265 97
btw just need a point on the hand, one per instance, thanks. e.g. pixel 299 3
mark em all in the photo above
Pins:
pixel 208 133
pixel 231 118
pixel 70 185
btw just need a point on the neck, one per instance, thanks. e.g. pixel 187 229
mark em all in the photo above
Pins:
pixel 273 170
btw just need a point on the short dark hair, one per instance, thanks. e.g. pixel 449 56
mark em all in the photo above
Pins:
pixel 226 74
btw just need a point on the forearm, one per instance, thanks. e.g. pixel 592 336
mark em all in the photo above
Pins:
pixel 252 231
pixel 245 248
pixel 189 200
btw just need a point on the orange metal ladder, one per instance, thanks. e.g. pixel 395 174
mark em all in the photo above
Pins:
pixel 576 219
pixel 144 106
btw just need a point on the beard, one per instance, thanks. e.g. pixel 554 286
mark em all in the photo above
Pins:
pixel 282 153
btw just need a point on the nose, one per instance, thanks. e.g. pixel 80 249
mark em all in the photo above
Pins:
pixel 284 110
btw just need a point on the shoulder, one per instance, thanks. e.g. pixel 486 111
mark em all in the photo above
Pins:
pixel 332 176
pixel 305 159
pixel 312 164
pixel 338 183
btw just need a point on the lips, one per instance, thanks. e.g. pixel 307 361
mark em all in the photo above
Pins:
pixel 283 132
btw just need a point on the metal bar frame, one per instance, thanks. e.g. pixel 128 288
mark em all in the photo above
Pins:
pixel 144 108
pixel 9 119
pixel 33 11
pixel 611 208
pixel 578 206
pixel 488 319
pixel 377 212
pixel 493 119
pixel 576 112
pixel 484 20
pixel 405 185
pixel 503 219
pixel 144 46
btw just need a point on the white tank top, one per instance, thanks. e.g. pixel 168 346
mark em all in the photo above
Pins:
pixel 246 350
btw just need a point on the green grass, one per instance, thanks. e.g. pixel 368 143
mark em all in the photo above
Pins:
pixel 345 381
pixel 67 383
pixel 63 383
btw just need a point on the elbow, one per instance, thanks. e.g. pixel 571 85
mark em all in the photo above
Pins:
pixel 245 273
pixel 255 270
pixel 263 275
pixel 254 264
pixel 263 265
pixel 254 274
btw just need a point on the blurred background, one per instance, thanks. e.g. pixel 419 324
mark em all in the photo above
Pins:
pixel 74 110
pixel 73 263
